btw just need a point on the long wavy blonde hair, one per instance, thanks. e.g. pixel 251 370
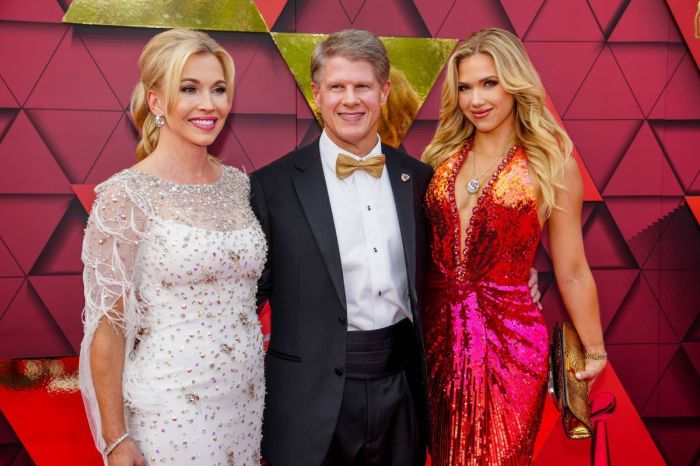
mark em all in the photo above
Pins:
pixel 536 130
pixel 161 64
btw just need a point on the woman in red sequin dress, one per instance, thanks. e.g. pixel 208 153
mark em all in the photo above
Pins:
pixel 503 168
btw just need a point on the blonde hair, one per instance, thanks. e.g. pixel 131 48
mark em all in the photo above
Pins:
pixel 546 144
pixel 161 64
pixel 401 106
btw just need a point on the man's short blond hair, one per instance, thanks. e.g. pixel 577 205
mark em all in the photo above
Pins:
pixel 353 45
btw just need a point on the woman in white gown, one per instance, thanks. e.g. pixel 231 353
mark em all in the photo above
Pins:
pixel 171 364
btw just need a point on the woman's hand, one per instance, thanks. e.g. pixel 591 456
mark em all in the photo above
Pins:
pixel 126 454
pixel 593 369
pixel 533 284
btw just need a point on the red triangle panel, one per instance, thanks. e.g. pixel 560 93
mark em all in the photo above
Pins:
pixel 640 378
pixel 7 100
pixel 679 295
pixel 26 165
pixel 602 144
pixel 36 11
pixel 253 133
pixel 641 221
pixel 25 236
pixel 9 286
pixel 61 255
pixel 352 8
pixel 75 137
pixel 74 72
pixel 676 102
pixel 521 13
pixel 613 286
pixel 604 94
pixel 694 206
pixel 468 16
pixel 63 297
pixel 678 247
pixel 644 171
pixel 29 331
pixel 677 392
pixel 33 45
pixel 267 87
pixel 86 195
pixel 604 244
pixel 648 68
pixel 270 10
pixel 8 264
pixel 116 52
pixel 563 67
pixel 607 12
pixel 646 21
pixel 118 154
pixel 434 13
pixel 640 319
pixel 679 141
pixel 565 20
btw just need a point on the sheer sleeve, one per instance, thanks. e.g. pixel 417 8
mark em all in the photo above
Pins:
pixel 110 253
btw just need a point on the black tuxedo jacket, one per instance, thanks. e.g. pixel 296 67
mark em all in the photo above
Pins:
pixel 303 280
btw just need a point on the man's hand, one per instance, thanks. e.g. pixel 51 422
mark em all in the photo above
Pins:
pixel 534 289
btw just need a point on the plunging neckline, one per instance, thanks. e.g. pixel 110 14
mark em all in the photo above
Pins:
pixel 461 246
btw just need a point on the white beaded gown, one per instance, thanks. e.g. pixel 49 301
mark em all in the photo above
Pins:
pixel 185 261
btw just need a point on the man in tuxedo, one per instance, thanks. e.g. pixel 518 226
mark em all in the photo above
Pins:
pixel 348 249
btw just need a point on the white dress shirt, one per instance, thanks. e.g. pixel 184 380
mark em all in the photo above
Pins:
pixel 369 238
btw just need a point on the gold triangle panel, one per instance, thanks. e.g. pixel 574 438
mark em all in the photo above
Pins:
pixel 415 66
pixel 211 15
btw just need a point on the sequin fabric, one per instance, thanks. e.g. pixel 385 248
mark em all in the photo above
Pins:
pixel 486 342
pixel 184 260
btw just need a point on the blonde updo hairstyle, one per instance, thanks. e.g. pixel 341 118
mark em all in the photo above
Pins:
pixel 536 130
pixel 161 64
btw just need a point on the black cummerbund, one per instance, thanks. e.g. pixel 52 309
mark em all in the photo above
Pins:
pixel 373 354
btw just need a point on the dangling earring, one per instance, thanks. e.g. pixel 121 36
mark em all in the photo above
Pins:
pixel 160 120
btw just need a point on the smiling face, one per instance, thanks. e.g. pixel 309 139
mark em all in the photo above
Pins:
pixel 482 97
pixel 350 97
pixel 201 105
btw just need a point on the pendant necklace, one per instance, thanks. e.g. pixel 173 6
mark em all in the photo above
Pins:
pixel 474 184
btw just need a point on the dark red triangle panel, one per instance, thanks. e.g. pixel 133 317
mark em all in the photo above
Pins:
pixel 63 297
pixel 677 102
pixel 29 330
pixel 61 254
pixel 74 137
pixel 26 164
pixel 33 45
pixel 604 94
pixel 74 71
pixel 23 234
pixel 564 20
pixel 646 21
pixel 434 13
pixel 468 16
pixel 644 170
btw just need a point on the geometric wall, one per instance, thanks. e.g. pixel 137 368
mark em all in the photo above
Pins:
pixel 620 73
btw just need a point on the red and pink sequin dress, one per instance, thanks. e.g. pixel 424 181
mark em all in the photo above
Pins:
pixel 486 341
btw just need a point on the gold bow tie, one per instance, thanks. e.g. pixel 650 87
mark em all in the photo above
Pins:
pixel 346 166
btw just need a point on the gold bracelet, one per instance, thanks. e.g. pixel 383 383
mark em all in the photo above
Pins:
pixel 596 356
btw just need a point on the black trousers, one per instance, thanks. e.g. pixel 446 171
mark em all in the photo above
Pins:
pixel 379 422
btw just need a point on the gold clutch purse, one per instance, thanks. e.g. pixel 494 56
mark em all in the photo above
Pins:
pixel 570 394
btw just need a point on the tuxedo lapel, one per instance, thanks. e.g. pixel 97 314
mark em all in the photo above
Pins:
pixel 402 187
pixel 311 189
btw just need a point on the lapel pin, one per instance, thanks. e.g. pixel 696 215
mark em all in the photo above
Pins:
pixel 405 177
